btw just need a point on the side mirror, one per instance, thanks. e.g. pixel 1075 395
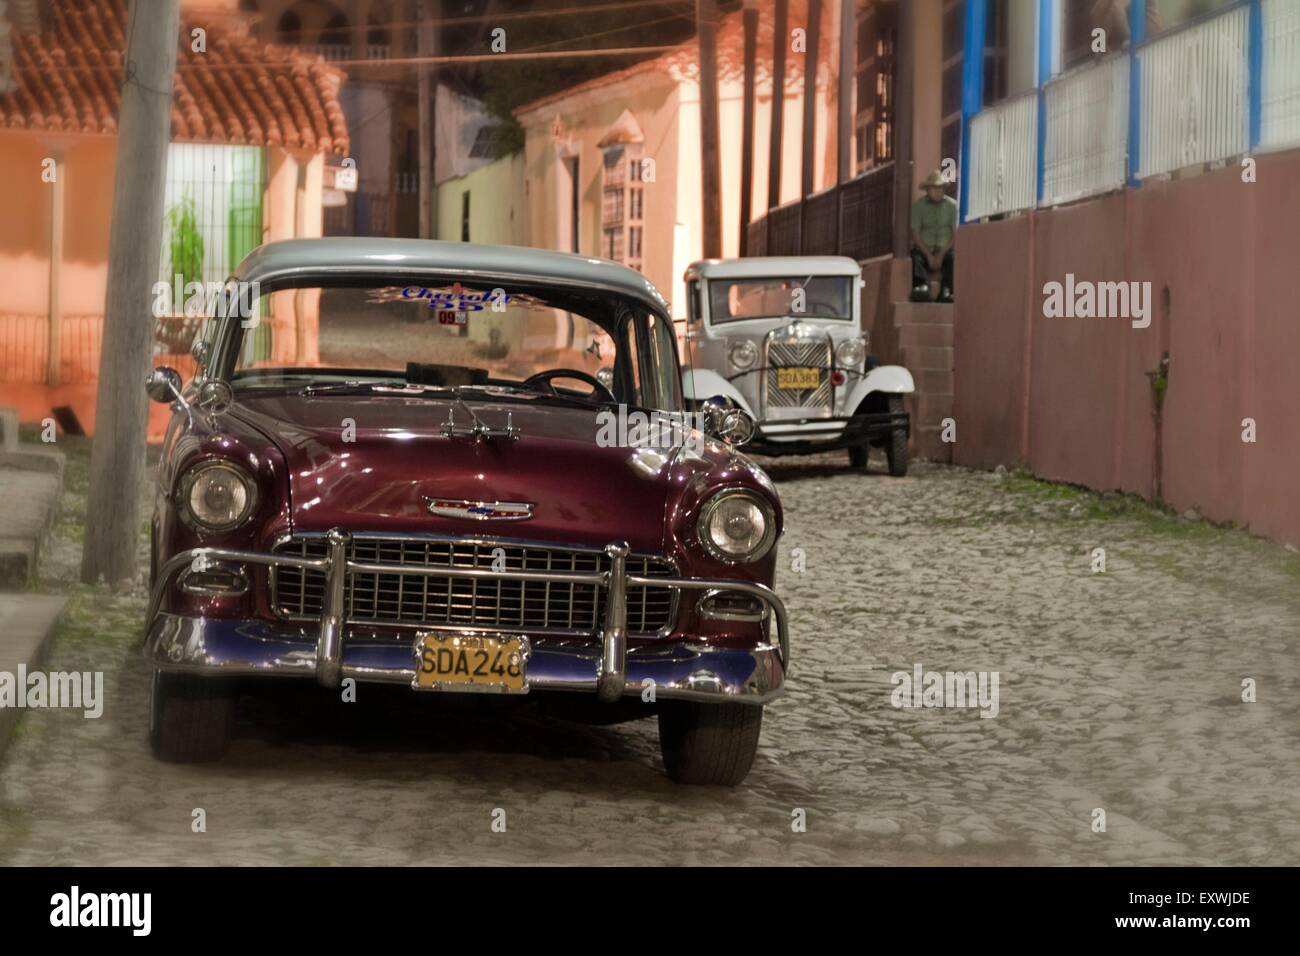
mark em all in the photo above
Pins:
pixel 164 385
pixel 727 423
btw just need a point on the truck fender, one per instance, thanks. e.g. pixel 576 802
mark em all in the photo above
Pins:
pixel 702 383
pixel 883 378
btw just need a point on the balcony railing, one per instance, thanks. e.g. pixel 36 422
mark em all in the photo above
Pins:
pixel 1212 89
pixel 1003 142
pixel 854 218
pixel 1194 105
pixel 1086 143
pixel 1280 94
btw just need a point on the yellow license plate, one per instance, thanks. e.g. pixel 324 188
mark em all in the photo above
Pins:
pixel 471 662
pixel 798 378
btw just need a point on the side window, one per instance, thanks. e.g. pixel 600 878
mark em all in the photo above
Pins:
pixel 693 301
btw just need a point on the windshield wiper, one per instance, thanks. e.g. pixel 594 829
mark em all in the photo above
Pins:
pixel 335 387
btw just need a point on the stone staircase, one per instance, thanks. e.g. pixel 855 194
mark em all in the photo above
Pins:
pixel 924 337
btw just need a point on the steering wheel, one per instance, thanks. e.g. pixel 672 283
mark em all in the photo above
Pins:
pixel 547 378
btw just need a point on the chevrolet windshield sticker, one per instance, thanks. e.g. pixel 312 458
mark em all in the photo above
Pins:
pixel 459 299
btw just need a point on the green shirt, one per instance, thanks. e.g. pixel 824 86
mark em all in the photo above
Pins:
pixel 934 222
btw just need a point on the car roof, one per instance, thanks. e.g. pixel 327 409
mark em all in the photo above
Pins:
pixel 758 267
pixel 347 257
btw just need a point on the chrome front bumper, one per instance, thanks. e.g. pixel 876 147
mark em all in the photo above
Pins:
pixel 610 668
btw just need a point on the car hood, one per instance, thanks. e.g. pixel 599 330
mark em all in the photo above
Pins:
pixel 370 463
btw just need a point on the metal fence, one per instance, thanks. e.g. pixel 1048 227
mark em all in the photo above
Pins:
pixel 1086 141
pixel 1214 88
pixel 854 218
pixel 1280 93
pixel 1194 106
pixel 1003 148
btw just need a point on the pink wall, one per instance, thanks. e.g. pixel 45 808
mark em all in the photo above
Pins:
pixel 990 353
pixel 1071 398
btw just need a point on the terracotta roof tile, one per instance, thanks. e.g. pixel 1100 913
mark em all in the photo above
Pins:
pixel 242 91
pixel 681 61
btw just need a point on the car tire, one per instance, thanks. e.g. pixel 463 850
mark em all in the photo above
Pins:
pixel 708 743
pixel 896 447
pixel 190 718
pixel 858 456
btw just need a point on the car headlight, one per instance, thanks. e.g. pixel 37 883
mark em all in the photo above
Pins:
pixel 217 496
pixel 850 353
pixel 743 355
pixel 737 526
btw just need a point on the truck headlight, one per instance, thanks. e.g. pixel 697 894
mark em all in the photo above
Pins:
pixel 737 526
pixel 216 496
pixel 743 355
pixel 850 353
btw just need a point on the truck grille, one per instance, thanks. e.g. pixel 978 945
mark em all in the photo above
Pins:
pixel 398 599
pixel 798 353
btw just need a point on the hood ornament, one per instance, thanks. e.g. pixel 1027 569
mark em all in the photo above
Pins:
pixel 476 428
pixel 479 510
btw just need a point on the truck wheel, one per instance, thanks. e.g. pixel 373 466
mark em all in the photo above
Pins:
pixel 708 743
pixel 858 456
pixel 190 718
pixel 896 448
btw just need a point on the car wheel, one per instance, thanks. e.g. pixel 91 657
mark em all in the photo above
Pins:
pixel 858 456
pixel 190 717
pixel 708 743
pixel 896 449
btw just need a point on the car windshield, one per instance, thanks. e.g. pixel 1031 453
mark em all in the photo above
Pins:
pixel 448 334
pixel 822 297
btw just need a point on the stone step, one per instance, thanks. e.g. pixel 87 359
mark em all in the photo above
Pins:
pixel 925 336
pixel 26 623
pixel 927 443
pixel 922 313
pixel 930 408
pixel 932 381
pixel 915 358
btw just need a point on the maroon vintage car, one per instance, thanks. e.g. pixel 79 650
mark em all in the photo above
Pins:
pixel 461 469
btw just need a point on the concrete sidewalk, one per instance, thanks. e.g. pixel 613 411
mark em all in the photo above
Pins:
pixel 26 623
pixel 31 484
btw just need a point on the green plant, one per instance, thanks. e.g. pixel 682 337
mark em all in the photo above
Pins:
pixel 186 241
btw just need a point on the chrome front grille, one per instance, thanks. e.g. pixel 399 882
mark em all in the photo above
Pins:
pixel 798 351
pixel 416 600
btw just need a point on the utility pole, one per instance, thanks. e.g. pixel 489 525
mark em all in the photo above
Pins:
pixel 844 112
pixel 844 98
pixel 780 40
pixel 904 64
pixel 428 93
pixel 750 24
pixel 706 22
pixel 117 460
pixel 810 57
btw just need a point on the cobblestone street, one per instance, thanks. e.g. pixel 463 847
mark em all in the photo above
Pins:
pixel 1119 691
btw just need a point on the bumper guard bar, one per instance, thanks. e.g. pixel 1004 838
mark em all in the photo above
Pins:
pixel 611 679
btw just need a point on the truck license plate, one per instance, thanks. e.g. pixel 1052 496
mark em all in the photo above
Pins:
pixel 801 379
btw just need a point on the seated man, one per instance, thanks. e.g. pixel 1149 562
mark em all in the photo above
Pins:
pixel 934 224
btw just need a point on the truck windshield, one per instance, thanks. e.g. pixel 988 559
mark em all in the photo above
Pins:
pixel 821 297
